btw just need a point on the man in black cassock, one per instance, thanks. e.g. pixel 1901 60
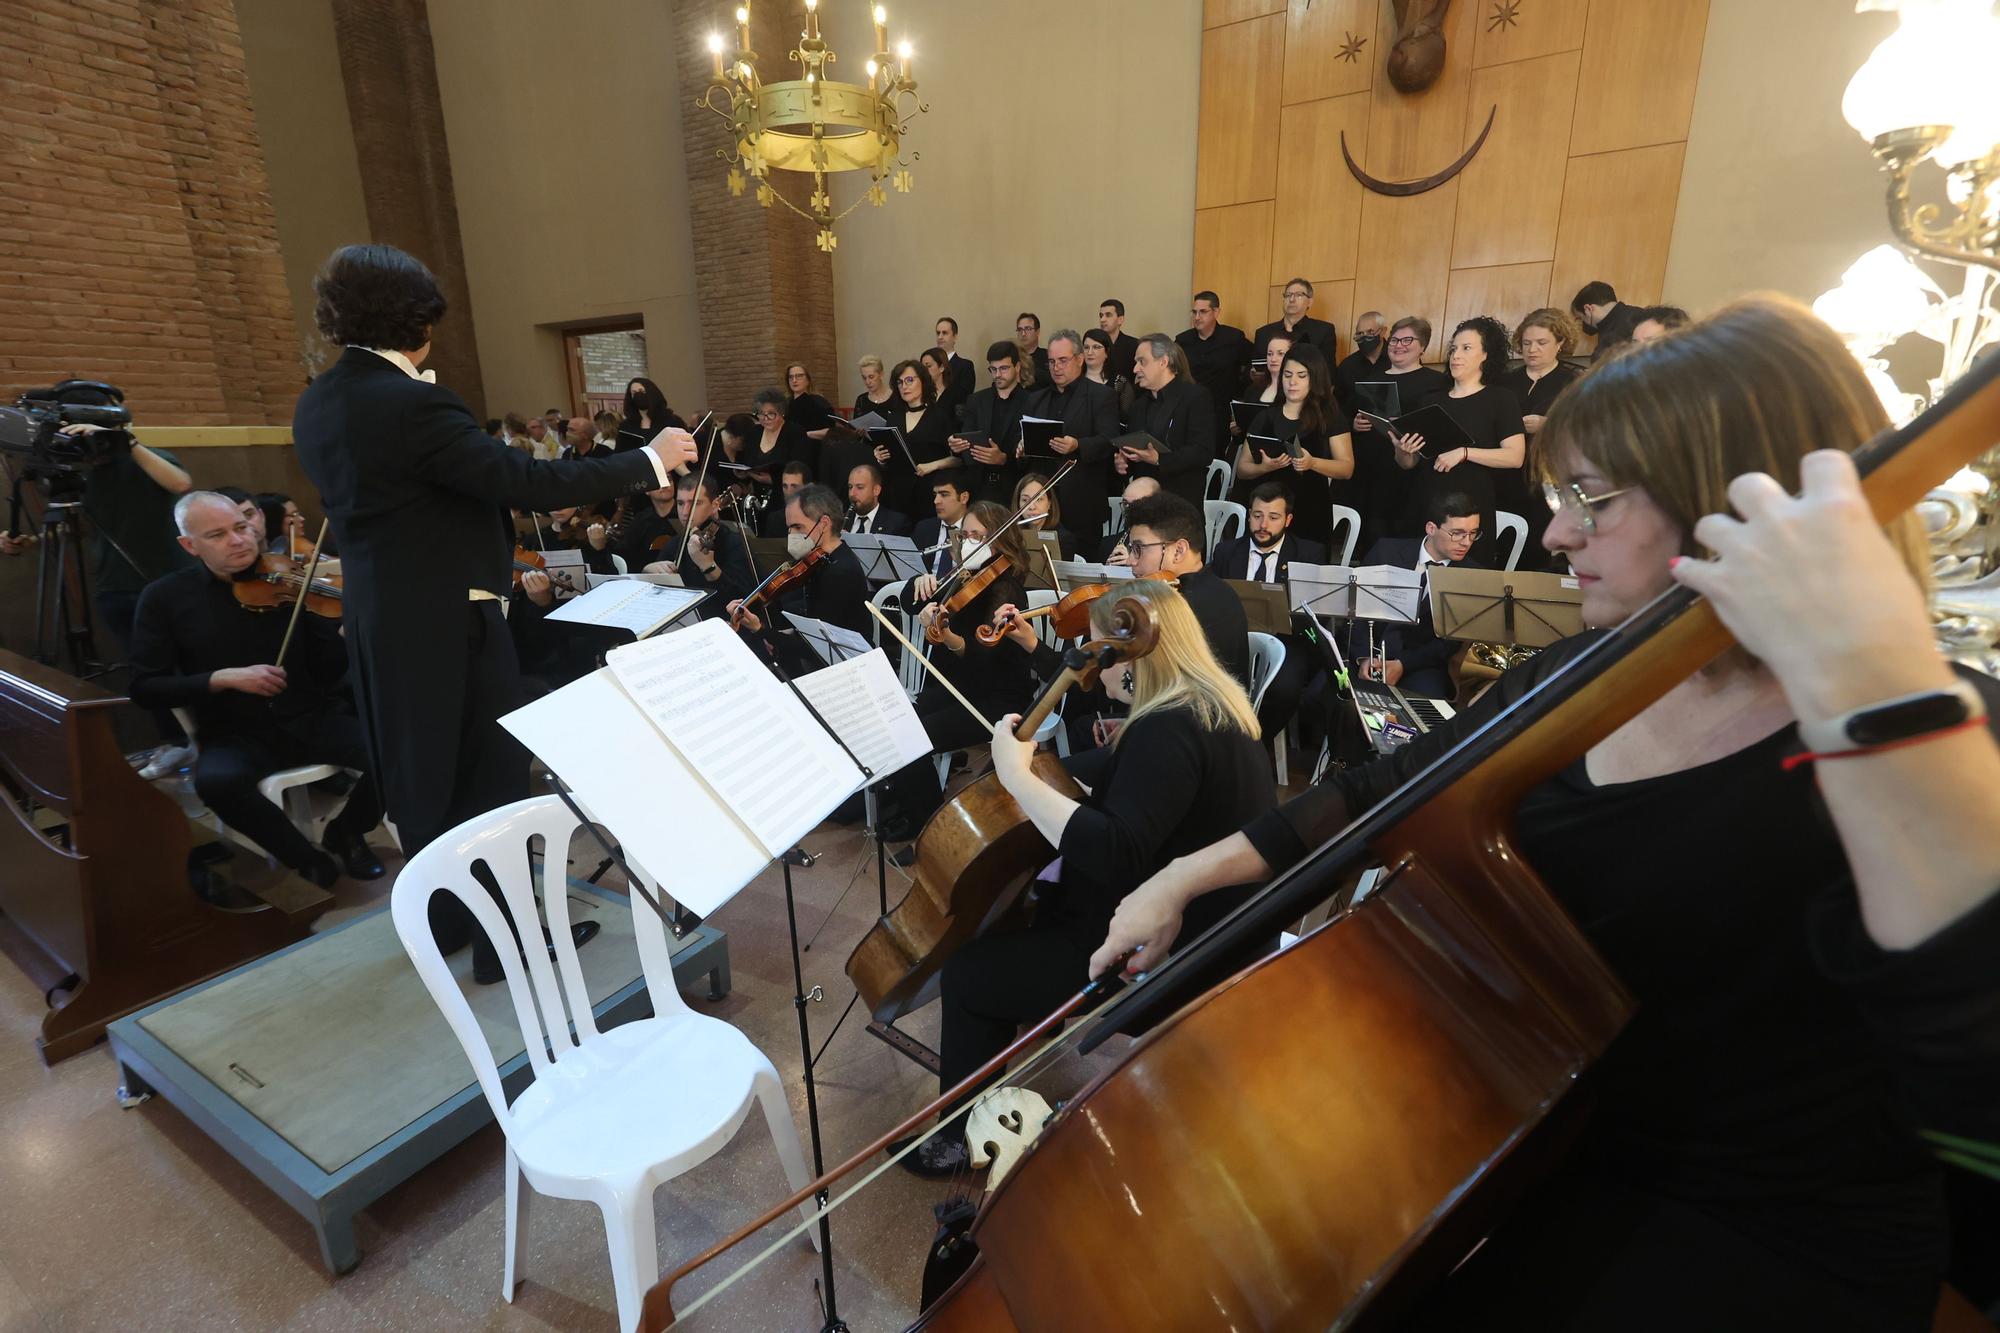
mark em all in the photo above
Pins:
pixel 418 497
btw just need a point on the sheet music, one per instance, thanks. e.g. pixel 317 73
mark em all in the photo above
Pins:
pixel 865 704
pixel 885 557
pixel 832 642
pixel 568 571
pixel 867 421
pixel 1378 592
pixel 658 580
pixel 753 744
pixel 1074 572
pixel 629 604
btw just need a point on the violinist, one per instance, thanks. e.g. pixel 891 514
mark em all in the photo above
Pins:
pixel 995 677
pixel 632 540
pixel 716 558
pixel 1186 765
pixel 194 646
pixel 1805 912
pixel 834 591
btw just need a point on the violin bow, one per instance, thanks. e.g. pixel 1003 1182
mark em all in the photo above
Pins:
pixel 935 674
pixel 959 571
pixel 707 454
pixel 305 587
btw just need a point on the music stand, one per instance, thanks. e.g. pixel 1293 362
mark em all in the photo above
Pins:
pixel 1073 572
pixel 1511 606
pixel 833 643
pixel 768 552
pixel 1373 592
pixel 1267 607
pixel 885 557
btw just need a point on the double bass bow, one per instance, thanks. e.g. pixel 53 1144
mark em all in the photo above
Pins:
pixel 1300 1145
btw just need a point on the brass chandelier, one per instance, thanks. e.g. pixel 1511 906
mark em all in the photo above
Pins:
pixel 814 123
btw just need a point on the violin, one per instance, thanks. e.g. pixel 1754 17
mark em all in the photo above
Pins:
pixel 778 582
pixel 276 581
pixel 980 850
pixel 1070 614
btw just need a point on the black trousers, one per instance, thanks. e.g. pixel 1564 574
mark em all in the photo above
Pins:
pixel 230 766
pixel 998 984
pixel 489 770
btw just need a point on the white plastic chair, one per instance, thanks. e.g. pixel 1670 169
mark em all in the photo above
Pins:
pixel 290 789
pixel 1117 519
pixel 611 1115
pixel 618 563
pixel 1513 530
pixel 1226 519
pixel 888 600
pixel 1341 551
pixel 1267 654
pixel 1221 476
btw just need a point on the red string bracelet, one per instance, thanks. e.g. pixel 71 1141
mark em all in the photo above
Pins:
pixel 1790 762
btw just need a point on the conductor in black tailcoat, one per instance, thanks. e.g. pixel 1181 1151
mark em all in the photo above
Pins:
pixel 417 496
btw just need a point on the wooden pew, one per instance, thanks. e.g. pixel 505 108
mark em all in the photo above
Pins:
pixel 93 865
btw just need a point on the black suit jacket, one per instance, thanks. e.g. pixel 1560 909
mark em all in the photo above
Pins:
pixel 1416 646
pixel 417 496
pixel 888 523
pixel 1183 416
pixel 1231 559
pixel 1315 331
pixel 1088 411
pixel 927 534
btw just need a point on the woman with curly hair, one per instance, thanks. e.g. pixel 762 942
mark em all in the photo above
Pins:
pixel 1491 468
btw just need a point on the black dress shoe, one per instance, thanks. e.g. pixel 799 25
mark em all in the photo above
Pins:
pixel 940 1157
pixel 355 856
pixel 904 857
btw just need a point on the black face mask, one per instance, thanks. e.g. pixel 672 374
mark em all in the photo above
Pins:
pixel 1366 343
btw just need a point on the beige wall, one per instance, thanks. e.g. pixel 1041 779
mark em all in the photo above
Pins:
pixel 293 66
pixel 571 189
pixel 1778 193
pixel 1057 169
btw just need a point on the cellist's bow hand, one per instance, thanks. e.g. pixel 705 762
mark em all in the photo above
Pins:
pixel 1142 929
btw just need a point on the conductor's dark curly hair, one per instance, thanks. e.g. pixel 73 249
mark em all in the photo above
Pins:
pixel 1493 337
pixel 376 296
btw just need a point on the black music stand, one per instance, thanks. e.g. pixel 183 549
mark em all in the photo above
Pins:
pixel 1511 606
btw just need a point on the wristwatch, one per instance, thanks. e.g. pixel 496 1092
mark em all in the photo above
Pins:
pixel 1905 717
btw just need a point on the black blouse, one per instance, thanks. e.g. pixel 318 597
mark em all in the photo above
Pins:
pixel 1753 1142
pixel 998 679
pixel 863 405
pixel 1538 396
pixel 1312 494
pixel 1489 416
pixel 810 412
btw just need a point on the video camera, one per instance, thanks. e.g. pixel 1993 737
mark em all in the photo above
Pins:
pixel 34 426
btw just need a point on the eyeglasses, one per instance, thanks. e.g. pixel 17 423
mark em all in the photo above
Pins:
pixel 1403 342
pixel 1583 508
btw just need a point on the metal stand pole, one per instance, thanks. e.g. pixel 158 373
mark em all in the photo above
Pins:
pixel 800 998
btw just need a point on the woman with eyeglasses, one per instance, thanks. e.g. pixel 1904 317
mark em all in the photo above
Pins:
pixel 1043 518
pixel 1543 339
pixel 779 440
pixel 1306 415
pixel 1185 766
pixel 1804 906
pixel 813 413
pixel 1490 468
pixel 926 427
pixel 1381 488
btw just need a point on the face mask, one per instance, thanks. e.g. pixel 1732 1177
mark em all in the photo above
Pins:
pixel 1367 343
pixel 973 554
pixel 798 545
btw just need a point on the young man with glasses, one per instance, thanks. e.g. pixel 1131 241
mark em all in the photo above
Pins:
pixel 1299 326
pixel 1166 542
pixel 995 412
pixel 1413 657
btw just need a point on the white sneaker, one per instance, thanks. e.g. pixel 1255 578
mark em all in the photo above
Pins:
pixel 167 761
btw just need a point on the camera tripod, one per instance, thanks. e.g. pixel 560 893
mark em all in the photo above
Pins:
pixel 62 592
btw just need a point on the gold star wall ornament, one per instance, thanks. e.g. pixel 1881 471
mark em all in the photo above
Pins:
pixel 1506 14
pixel 1350 50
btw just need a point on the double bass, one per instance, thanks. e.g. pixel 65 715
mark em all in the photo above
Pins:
pixel 1306 1143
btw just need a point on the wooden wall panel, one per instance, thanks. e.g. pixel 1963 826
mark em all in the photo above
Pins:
pixel 1242 71
pixel 1617 219
pixel 1404 263
pixel 1506 292
pixel 1215 13
pixel 1232 256
pixel 1319 202
pixel 1511 194
pixel 1332 301
pixel 1415 136
pixel 1540 28
pixel 1640 64
pixel 1315 35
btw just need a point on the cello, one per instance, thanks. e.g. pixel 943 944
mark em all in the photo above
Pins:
pixel 980 849
pixel 1403 1060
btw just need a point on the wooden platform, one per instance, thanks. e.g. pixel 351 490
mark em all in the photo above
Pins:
pixel 328 1072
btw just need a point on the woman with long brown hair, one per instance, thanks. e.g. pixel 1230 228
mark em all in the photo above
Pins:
pixel 1811 941
pixel 1307 414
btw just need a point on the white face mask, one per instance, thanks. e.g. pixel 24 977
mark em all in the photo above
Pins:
pixel 798 545
pixel 973 554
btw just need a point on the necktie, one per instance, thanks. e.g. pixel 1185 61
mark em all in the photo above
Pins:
pixel 1257 574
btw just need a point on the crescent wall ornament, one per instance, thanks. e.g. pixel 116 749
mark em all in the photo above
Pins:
pixel 1424 183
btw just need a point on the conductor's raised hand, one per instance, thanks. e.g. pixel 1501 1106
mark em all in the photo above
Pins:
pixel 1813 588
pixel 675 449
pixel 263 681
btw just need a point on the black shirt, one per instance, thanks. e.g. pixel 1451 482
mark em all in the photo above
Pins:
pixel 189 626
pixel 1220 612
pixel 1488 416
pixel 810 411
pixel 863 405
pixel 1538 396
pixel 1763 1103
pixel 790 445
pixel 1317 332
pixel 1380 489
pixel 1615 328
pixel 129 507
pixel 1219 364
pixel 1312 494
pixel 1089 413
pixel 1180 416
pixel 998 679
pixel 999 418
pixel 1356 366
pixel 1124 352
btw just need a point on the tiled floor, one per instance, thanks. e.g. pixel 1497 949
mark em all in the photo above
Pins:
pixel 132 1218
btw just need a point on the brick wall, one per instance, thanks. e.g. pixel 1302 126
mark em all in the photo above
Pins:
pixel 766 288
pixel 398 122
pixel 137 241
pixel 612 360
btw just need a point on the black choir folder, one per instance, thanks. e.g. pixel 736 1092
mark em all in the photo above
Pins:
pixel 1036 432
pixel 893 439
pixel 1270 446
pixel 1246 412
pixel 1441 432
pixel 1139 439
